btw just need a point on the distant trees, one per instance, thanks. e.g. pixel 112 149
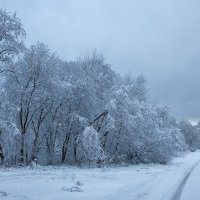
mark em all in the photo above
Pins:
pixel 191 134
pixel 79 112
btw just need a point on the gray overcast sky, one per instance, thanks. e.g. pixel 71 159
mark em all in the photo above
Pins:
pixel 160 39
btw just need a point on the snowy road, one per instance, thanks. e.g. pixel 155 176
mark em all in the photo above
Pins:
pixel 141 182
pixel 192 186
pixel 178 195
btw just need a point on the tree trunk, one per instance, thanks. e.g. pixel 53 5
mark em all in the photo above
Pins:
pixel 1 153
pixel 1 150
pixel 22 151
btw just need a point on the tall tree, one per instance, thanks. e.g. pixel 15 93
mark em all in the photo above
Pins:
pixel 11 37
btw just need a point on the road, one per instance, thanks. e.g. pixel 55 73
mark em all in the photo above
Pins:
pixel 191 189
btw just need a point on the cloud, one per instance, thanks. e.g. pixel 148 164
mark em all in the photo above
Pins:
pixel 159 39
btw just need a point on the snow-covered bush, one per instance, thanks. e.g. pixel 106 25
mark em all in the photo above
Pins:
pixel 89 151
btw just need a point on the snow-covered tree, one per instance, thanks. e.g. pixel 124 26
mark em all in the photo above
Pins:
pixel 11 37
pixel 89 151
pixel 78 112
pixel 191 134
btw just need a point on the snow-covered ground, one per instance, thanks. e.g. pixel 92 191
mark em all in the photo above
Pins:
pixel 141 182
pixel 192 186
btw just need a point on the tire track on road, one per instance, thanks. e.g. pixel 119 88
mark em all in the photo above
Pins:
pixel 177 194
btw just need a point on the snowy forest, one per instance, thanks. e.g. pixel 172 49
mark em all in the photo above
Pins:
pixel 80 112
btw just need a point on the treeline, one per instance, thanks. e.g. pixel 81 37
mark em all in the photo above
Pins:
pixel 79 112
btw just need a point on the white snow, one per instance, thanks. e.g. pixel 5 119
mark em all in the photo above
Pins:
pixel 191 189
pixel 145 182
